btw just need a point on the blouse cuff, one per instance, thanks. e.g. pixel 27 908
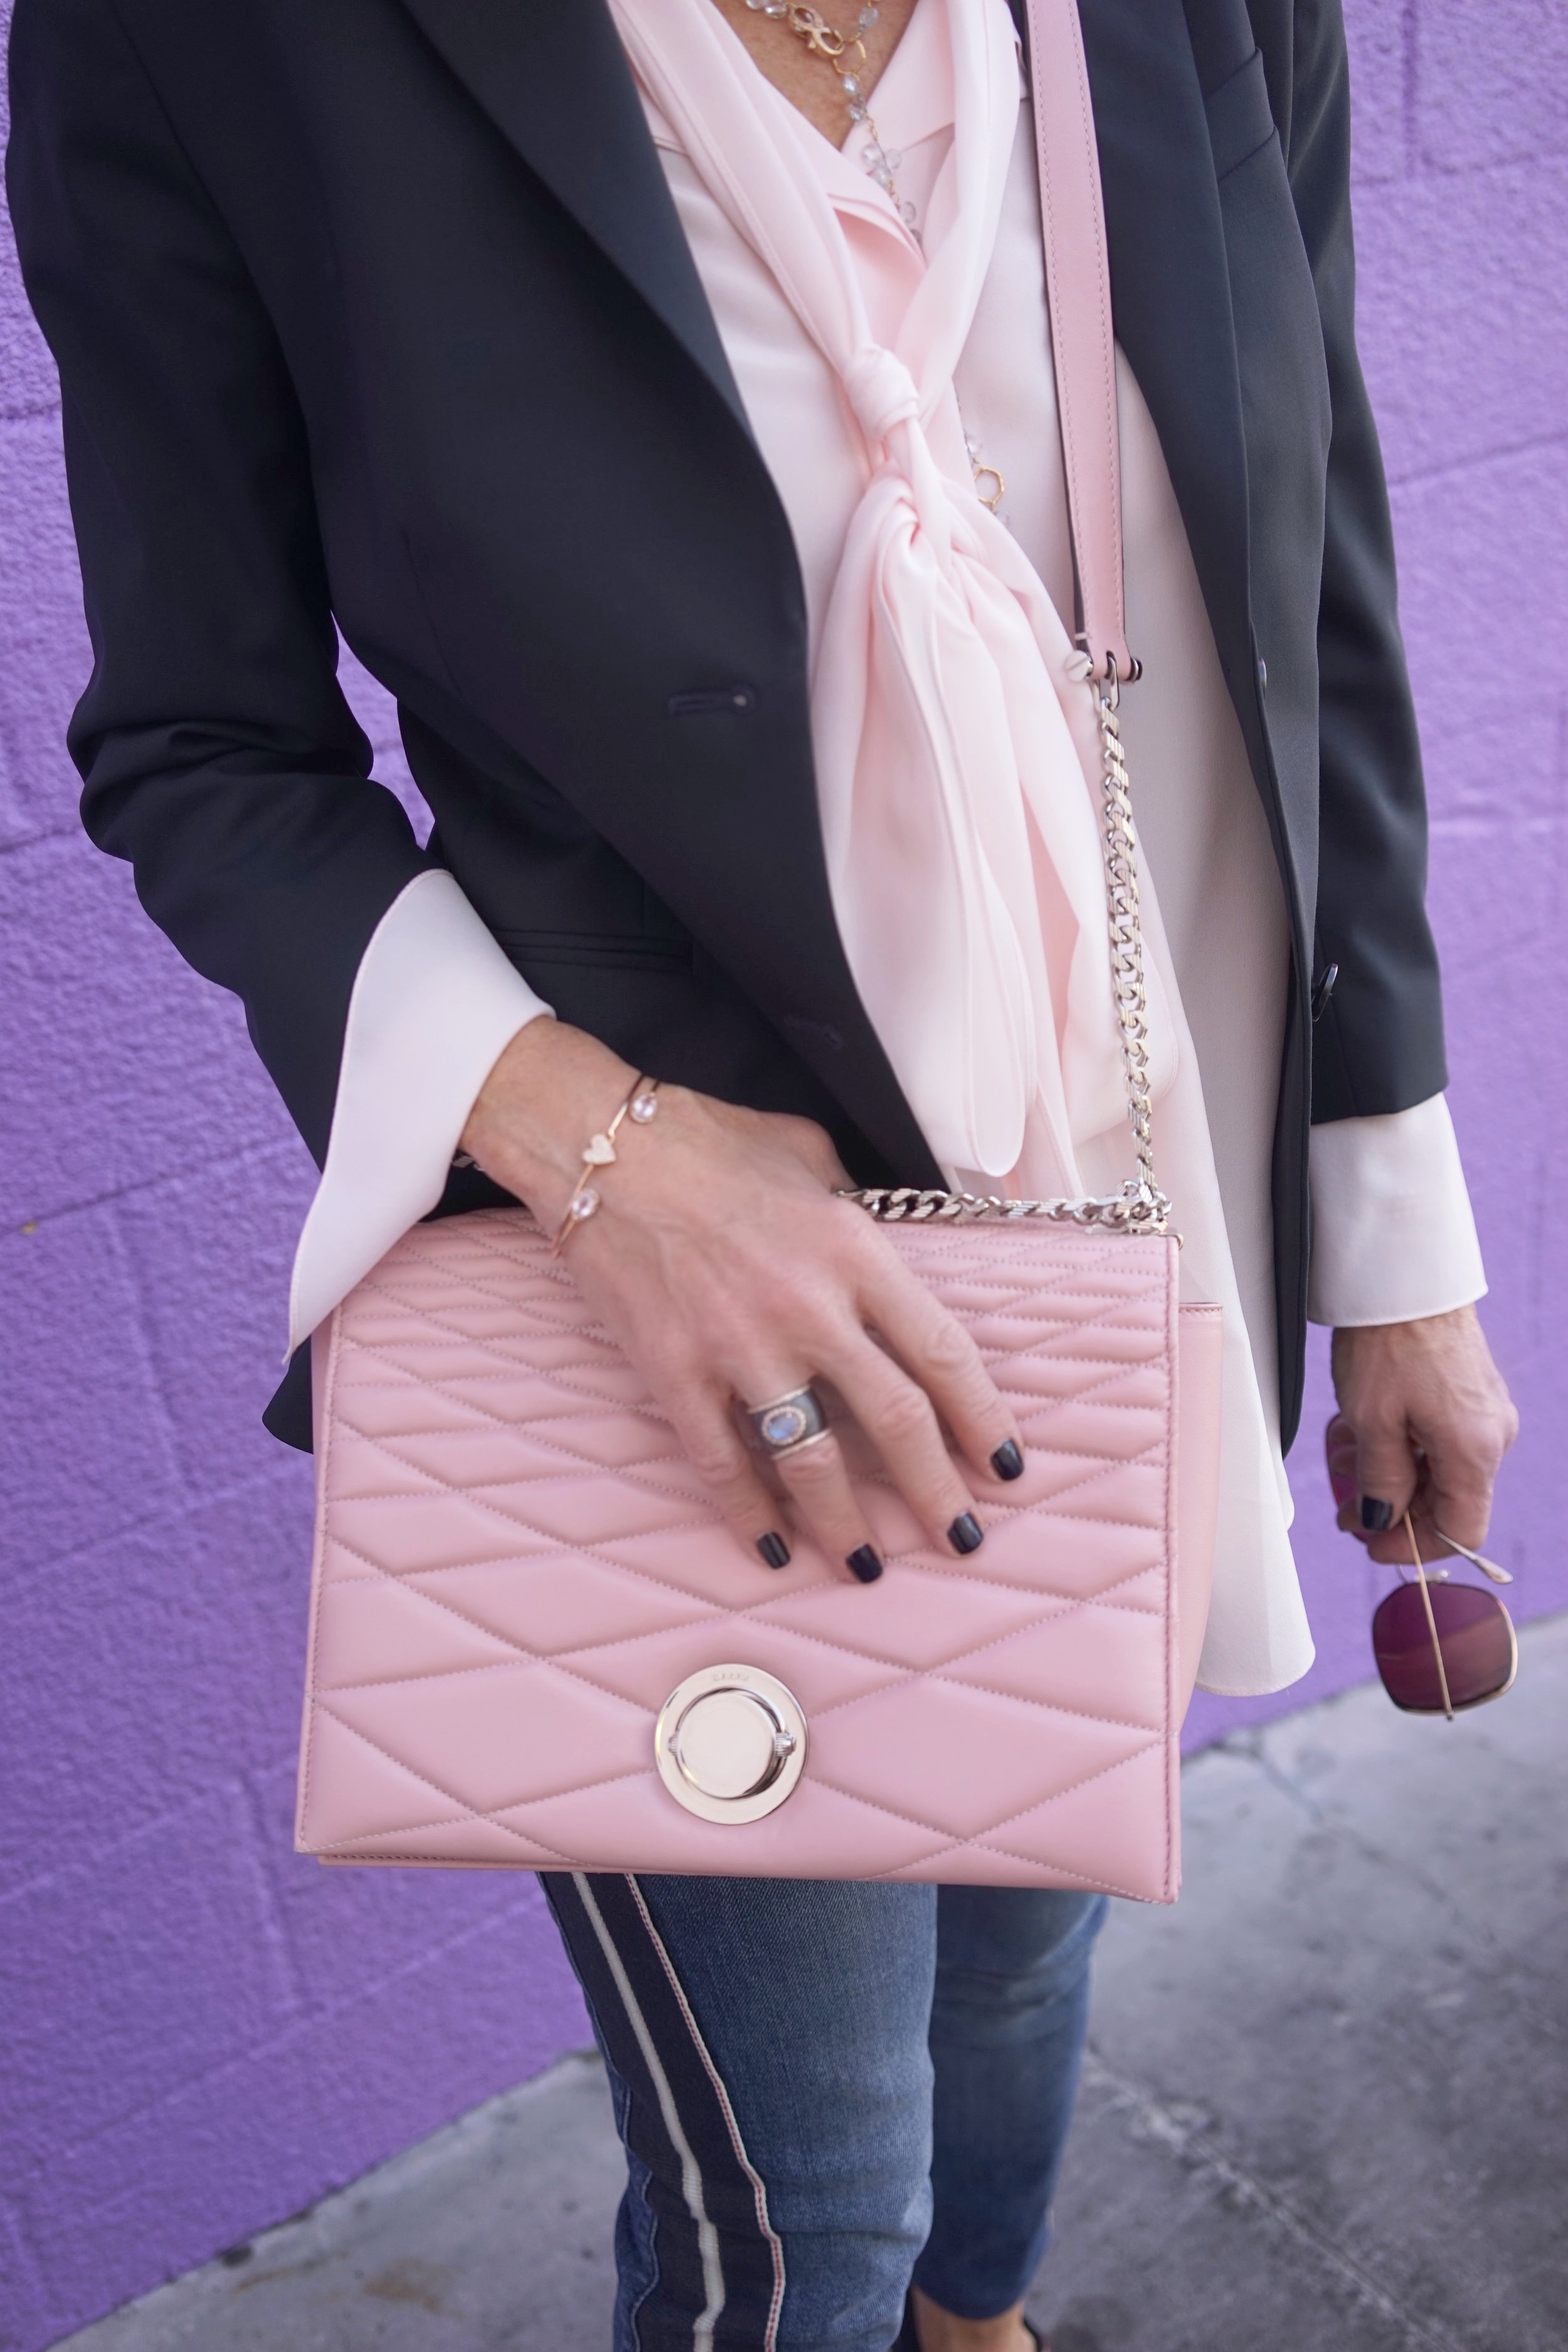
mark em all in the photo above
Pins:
pixel 435 1003
pixel 1393 1237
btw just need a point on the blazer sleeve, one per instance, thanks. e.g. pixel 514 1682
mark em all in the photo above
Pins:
pixel 1379 1041
pixel 216 752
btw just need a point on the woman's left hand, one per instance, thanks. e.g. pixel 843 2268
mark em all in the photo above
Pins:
pixel 1431 1420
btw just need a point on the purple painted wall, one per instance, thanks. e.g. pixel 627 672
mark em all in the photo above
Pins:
pixel 203 2033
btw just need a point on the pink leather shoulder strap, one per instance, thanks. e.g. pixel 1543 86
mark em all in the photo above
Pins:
pixel 1078 288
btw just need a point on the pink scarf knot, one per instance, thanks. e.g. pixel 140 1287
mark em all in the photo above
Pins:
pixel 957 767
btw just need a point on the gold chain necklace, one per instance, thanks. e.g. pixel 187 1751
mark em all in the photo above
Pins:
pixel 845 53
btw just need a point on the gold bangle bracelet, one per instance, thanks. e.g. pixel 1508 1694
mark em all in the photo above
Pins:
pixel 640 1105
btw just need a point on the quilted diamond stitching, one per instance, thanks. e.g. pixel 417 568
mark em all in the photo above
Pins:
pixel 1049 1309
pixel 633 1473
pixel 1019 1813
pixel 902 1677
pixel 897 1670
pixel 478 1495
pixel 624 1570
pixel 469 1812
pixel 758 1609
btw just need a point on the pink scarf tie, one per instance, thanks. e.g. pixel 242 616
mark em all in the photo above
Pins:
pixel 954 741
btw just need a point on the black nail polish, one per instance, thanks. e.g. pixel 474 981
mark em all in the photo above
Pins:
pixel 965 1533
pixel 864 1564
pixel 1007 1461
pixel 775 1551
pixel 1376 1518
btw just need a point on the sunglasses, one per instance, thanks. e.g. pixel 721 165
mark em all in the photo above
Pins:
pixel 1439 1647
pixel 1442 1647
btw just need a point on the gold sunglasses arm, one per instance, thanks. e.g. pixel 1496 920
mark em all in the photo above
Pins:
pixel 1431 1620
pixel 1488 1567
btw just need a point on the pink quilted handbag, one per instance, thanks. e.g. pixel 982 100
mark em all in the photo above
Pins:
pixel 534 1644
pixel 516 1570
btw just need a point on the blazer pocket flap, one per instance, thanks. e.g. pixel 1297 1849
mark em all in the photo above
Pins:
pixel 612 950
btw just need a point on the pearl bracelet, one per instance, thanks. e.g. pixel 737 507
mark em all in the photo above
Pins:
pixel 640 1105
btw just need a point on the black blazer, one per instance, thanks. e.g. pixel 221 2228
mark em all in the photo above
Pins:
pixel 380 310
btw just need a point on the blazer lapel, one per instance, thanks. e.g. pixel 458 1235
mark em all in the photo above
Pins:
pixel 553 76
pixel 1171 290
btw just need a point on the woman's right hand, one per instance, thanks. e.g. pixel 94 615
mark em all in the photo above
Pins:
pixel 723 1263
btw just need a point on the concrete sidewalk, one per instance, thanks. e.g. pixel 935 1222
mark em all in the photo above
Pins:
pixel 1326 2108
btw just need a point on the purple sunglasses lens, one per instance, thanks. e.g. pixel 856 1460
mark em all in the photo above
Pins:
pixel 1477 1639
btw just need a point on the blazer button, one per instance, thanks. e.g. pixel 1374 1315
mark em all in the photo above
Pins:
pixel 1323 991
pixel 1263 674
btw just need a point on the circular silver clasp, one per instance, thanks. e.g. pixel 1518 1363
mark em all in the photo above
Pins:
pixel 730 1743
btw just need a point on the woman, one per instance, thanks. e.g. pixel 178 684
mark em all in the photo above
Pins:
pixel 633 383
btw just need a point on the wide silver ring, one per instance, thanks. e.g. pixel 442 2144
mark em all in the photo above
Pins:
pixel 790 1422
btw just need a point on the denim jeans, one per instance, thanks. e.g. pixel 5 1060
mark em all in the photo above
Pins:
pixel 826 2089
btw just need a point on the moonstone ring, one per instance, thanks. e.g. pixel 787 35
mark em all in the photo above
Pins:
pixel 790 1422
